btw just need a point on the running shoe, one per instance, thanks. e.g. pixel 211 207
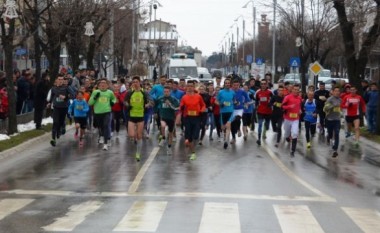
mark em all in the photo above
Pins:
pixel 200 143
pixel 211 139
pixel 258 142
pixel 137 157
pixel 193 156
pixel 239 133
pixel 219 139
pixel 169 150
pixel 264 134
pixel 309 145
pixel 335 154
pixel 161 143
pixel 233 141
pixel 245 137
pixel 105 147
pixel 356 144
pixel 348 134
pixel 53 142
pixel 63 131
pixel 276 145
pixel 101 140
pixel 292 154
pixel 225 145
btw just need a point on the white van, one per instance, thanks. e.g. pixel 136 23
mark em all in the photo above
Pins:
pixel 204 75
pixel 182 67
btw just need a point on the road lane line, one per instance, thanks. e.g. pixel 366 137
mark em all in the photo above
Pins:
pixel 76 215
pixel 292 175
pixel 136 182
pixel 142 216
pixel 9 206
pixel 367 220
pixel 169 194
pixel 220 218
pixel 296 219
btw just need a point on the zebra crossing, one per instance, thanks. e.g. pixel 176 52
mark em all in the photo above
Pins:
pixel 215 217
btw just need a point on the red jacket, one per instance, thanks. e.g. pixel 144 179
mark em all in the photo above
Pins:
pixel 353 104
pixel 215 107
pixel 262 101
pixel 3 106
pixel 118 106
pixel 292 105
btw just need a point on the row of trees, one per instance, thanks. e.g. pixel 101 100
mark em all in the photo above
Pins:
pixel 50 24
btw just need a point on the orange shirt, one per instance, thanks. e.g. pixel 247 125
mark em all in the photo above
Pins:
pixel 192 105
pixel 86 96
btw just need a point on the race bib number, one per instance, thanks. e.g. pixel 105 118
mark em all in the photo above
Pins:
pixel 103 99
pixel 336 109
pixel 278 105
pixel 79 107
pixel 137 100
pixel 191 113
pixel 58 100
pixel 293 115
pixel 165 105
pixel 227 104
pixel 263 99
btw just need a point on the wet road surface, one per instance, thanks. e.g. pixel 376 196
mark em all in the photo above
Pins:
pixel 243 189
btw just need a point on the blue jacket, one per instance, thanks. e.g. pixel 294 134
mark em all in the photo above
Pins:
pixel 373 97
pixel 226 100
pixel 79 108
pixel 241 97
pixel 310 108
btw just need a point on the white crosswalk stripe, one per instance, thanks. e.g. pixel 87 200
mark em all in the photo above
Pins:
pixel 143 216
pixel 9 206
pixel 296 219
pixel 220 217
pixel 76 215
pixel 367 220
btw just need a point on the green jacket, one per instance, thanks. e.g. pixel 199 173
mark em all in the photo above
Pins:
pixel 167 111
pixel 102 104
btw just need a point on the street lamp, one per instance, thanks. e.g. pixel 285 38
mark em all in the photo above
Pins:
pixel 10 9
pixel 243 55
pixel 274 40
pixel 89 29
pixel 254 29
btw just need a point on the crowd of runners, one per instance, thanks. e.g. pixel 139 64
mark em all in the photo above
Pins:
pixel 221 110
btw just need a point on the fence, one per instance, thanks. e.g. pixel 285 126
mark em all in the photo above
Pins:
pixel 21 119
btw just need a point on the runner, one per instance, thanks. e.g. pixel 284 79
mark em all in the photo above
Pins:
pixel 216 115
pixel 321 96
pixel 136 101
pixel 248 111
pixel 264 110
pixel 117 110
pixel 277 114
pixel 207 100
pixel 192 106
pixel 333 112
pixel 225 99
pixel 59 101
pixel 157 92
pixel 353 103
pixel 102 100
pixel 167 107
pixel 310 117
pixel 292 107
pixel 79 110
pixel 241 99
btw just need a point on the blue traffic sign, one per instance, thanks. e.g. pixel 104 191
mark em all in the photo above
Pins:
pixel 249 59
pixel 20 52
pixel 295 62
pixel 259 61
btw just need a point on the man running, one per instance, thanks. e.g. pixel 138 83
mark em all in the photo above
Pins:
pixel 191 107
pixel 136 102
pixel 264 110
pixel 241 99
pixel 167 106
pixel 225 99
pixel 333 112
pixel 277 114
pixel 320 97
pixel 292 107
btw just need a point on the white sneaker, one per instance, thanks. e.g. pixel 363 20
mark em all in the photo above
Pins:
pixel 105 147
pixel 162 142
pixel 109 144
pixel 101 140
pixel 169 150
pixel 174 139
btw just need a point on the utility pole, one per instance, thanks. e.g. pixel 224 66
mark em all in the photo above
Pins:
pixel 274 41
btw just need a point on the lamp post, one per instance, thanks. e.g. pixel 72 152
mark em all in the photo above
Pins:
pixel 274 40
pixel 254 29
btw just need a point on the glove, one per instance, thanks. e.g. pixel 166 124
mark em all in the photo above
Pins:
pixel 111 103
pixel 96 95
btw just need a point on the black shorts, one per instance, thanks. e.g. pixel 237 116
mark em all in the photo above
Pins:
pixel 247 119
pixel 192 127
pixel 351 119
pixel 82 121
pixel 263 116
pixel 136 119
pixel 170 124
pixel 225 117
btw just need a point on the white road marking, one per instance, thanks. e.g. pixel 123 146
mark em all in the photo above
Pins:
pixel 367 220
pixel 142 216
pixel 169 194
pixel 288 172
pixel 9 206
pixel 296 219
pixel 220 218
pixel 136 182
pixel 74 217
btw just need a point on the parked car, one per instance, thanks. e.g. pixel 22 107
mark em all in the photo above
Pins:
pixel 293 78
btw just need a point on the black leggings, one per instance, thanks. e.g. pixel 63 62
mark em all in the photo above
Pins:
pixel 115 123
pixel 277 126
pixel 235 126
pixel 59 115
pixel 310 128
pixel 203 117
pixel 102 121
pixel 218 126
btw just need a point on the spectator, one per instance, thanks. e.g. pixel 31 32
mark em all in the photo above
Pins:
pixel 23 89
pixel 40 95
pixel 3 103
pixel 372 97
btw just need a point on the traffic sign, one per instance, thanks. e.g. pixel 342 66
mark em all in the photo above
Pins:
pixel 259 61
pixel 295 62
pixel 20 52
pixel 316 68
pixel 249 59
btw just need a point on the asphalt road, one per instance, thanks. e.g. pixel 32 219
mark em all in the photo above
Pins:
pixel 243 189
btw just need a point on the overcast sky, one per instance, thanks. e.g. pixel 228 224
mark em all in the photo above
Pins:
pixel 204 23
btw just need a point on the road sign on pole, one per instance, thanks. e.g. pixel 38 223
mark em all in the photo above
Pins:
pixel 316 68
pixel 259 61
pixel 249 59
pixel 295 62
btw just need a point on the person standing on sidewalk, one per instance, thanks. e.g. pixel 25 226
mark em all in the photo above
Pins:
pixel 191 107
pixel 354 103
pixel 310 117
pixel 333 112
pixel 59 99
pixel 40 94
pixel 320 96
pixel 292 111
pixel 372 103
pixel 102 99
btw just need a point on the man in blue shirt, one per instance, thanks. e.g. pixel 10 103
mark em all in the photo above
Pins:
pixel 225 99
pixel 241 99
